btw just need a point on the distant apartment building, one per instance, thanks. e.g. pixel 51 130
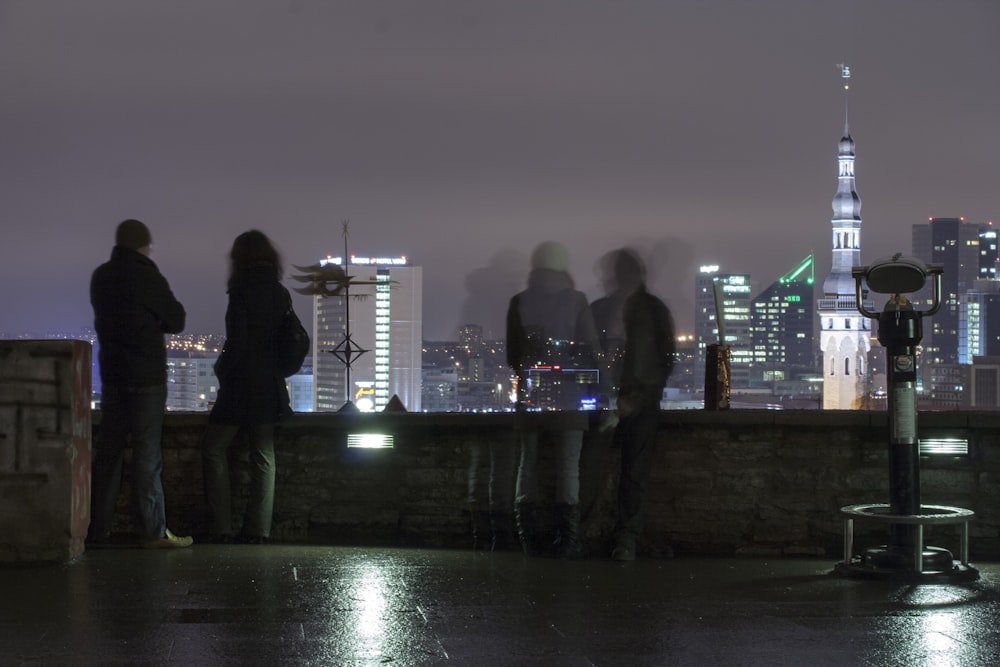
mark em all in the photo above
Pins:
pixel 193 387
pixel 468 375
pixel 191 382
pixel 381 357
pixel 783 327
pixel 439 391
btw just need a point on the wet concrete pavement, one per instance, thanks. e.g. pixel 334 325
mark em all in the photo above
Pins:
pixel 310 605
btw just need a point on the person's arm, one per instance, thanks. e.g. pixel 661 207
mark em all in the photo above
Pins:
pixel 166 308
pixel 237 337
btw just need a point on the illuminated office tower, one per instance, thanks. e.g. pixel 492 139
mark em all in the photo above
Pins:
pixel 979 322
pixel 958 247
pixel 736 317
pixel 845 334
pixel 386 319
pixel 782 318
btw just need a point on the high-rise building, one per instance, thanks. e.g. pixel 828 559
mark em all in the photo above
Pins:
pixel 191 382
pixel 381 358
pixel 782 320
pixel 979 322
pixel 735 312
pixel 845 334
pixel 955 245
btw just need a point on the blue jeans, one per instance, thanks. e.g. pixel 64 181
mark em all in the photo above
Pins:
pixel 129 416
pixel 218 492
pixel 568 444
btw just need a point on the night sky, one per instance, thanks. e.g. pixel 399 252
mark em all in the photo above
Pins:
pixel 461 134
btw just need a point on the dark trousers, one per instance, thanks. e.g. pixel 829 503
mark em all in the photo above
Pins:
pixel 218 493
pixel 498 489
pixel 130 416
pixel 636 436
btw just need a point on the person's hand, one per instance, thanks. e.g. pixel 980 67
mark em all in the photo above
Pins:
pixel 626 406
pixel 609 420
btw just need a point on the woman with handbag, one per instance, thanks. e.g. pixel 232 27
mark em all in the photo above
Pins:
pixel 252 392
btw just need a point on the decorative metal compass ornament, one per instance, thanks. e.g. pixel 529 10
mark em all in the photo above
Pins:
pixel 332 280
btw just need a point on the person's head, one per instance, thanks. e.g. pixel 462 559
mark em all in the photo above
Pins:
pixel 550 255
pixel 623 271
pixel 251 248
pixel 134 235
pixel 630 273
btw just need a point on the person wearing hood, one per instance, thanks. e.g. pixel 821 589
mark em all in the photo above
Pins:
pixel 546 322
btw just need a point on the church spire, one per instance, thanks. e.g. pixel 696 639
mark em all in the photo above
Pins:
pixel 845 337
pixel 846 220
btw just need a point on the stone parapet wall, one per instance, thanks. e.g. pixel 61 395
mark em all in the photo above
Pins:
pixel 752 482
pixel 45 427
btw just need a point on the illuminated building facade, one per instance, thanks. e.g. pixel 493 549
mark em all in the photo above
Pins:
pixel 385 309
pixel 958 246
pixel 782 319
pixel 845 334
pixel 736 318
pixel 556 388
pixel 979 322
pixel 191 382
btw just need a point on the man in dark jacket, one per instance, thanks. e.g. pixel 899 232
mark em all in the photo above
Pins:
pixel 637 338
pixel 133 309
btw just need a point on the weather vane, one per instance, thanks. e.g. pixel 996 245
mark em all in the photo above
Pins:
pixel 845 75
pixel 328 279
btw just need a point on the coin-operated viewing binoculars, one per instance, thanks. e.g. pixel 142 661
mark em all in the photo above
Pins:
pixel 899 331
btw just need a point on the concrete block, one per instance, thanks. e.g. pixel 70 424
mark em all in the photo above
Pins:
pixel 45 439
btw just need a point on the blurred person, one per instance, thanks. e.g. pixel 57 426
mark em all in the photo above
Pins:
pixel 637 341
pixel 549 322
pixel 133 309
pixel 492 522
pixel 252 391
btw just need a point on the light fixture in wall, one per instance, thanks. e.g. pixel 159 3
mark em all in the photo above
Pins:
pixel 944 446
pixel 370 440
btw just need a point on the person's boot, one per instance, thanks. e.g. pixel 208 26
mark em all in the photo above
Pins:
pixel 502 527
pixel 567 544
pixel 526 517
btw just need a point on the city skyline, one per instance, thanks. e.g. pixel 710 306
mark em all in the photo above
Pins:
pixel 463 135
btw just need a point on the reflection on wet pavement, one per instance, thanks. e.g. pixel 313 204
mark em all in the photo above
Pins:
pixel 284 604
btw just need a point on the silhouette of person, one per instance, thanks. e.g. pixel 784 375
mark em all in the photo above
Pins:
pixel 637 341
pixel 494 526
pixel 133 309
pixel 252 392
pixel 549 322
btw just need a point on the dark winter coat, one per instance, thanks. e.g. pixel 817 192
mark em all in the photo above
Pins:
pixel 133 309
pixel 649 348
pixel 549 310
pixel 251 389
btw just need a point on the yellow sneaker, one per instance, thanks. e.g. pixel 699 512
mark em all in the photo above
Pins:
pixel 169 541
